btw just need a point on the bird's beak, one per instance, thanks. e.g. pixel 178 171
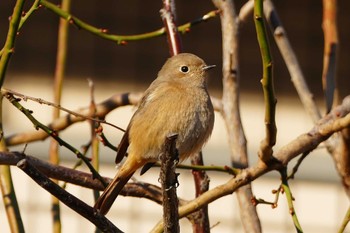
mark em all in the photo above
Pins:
pixel 208 67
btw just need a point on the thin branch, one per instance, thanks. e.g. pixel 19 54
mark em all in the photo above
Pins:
pixel 336 120
pixel 330 31
pixel 266 145
pixel 62 47
pixel 9 46
pixel 167 14
pixel 345 221
pixel 102 109
pixel 83 179
pixel 58 106
pixel 120 39
pixel 7 188
pixel 246 11
pixel 68 199
pixel 25 16
pixel 225 169
pixel 291 61
pixel 231 110
pixel 54 135
pixel 200 220
pixel 286 189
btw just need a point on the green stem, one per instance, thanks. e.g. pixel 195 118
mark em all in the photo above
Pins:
pixel 24 18
pixel 52 133
pixel 10 40
pixel 345 221
pixel 62 45
pixel 7 189
pixel 267 83
pixel 289 196
pixel 120 39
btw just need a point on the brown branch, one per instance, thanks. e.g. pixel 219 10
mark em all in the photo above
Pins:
pixel 231 111
pixel 169 20
pixel 336 120
pixel 68 199
pixel 80 178
pixel 291 61
pixel 200 219
pixel 329 25
pixel 169 182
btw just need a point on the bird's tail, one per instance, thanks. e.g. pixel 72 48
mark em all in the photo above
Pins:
pixel 105 201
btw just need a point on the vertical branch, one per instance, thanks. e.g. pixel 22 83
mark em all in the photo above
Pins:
pixel 201 221
pixel 330 32
pixel 10 40
pixel 290 199
pixel 57 90
pixel 169 20
pixel 95 143
pixel 291 61
pixel 7 189
pixel 265 151
pixel 231 110
pixel 168 179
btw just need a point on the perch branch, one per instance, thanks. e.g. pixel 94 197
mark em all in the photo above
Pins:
pixel 336 120
pixel 169 183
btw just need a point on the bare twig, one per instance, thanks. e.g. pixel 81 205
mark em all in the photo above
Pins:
pixel 231 110
pixel 246 11
pixel 102 109
pixel 169 20
pixel 291 61
pixel 62 47
pixel 83 179
pixel 200 220
pixel 120 39
pixel 7 188
pixel 329 25
pixel 68 199
pixel 345 221
pixel 286 189
pixel 336 120
pixel 58 106
pixel 54 135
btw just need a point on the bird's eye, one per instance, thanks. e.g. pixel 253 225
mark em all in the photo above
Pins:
pixel 184 69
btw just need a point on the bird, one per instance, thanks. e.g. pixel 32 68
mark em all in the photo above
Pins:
pixel 177 101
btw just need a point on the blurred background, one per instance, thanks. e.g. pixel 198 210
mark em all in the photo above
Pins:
pixel 132 67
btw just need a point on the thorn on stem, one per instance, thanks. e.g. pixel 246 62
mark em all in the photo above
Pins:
pixel 122 42
pixel 258 17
